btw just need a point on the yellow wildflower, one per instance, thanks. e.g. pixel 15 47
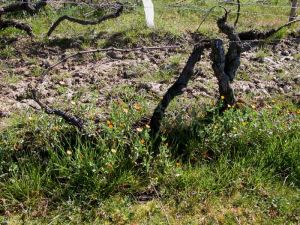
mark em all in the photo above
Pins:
pixel 55 128
pixel 69 152
pixel 109 123
pixel 109 166
pixel 137 106
pixel 139 129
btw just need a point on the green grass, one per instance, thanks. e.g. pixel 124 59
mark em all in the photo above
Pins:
pixel 171 22
pixel 241 167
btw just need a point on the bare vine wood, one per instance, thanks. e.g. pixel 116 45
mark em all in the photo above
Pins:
pixel 219 64
pixel 238 13
pixel 207 14
pixel 232 58
pixel 260 35
pixel 17 7
pixel 73 120
pixel 16 24
pixel 87 22
pixel 226 66
pixel 178 87
pixel 23 6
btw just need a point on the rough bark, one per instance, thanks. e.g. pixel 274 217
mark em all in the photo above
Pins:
pixel 177 88
pixel 261 35
pixel 226 66
pixel 219 65
pixel 232 59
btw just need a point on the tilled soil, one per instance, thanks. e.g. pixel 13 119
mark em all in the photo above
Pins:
pixel 266 71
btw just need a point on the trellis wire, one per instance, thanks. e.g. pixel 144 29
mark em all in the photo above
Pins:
pixel 183 7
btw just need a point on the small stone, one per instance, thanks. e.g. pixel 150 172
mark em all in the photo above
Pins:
pixel 280 90
pixel 297 79
pixel 26 73
pixel 129 74
pixel 145 58
pixel 154 60
pixel 288 58
pixel 115 55
pixel 265 92
pixel 157 56
pixel 260 59
pixel 4 114
pixel 269 60
pixel 287 88
pixel 285 53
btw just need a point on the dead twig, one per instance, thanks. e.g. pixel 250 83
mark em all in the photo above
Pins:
pixel 73 120
pixel 238 13
pixel 207 14
pixel 86 22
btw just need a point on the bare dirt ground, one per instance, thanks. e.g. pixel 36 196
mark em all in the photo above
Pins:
pixel 265 71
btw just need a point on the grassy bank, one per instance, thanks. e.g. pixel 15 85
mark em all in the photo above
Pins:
pixel 241 167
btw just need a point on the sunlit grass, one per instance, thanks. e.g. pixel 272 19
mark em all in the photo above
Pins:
pixel 237 168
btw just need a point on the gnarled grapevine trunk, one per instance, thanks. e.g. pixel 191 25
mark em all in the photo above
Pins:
pixel 226 66
pixel 177 88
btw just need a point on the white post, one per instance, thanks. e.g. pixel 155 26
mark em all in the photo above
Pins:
pixel 149 12
pixel 293 10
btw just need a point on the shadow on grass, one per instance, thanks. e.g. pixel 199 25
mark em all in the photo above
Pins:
pixel 67 43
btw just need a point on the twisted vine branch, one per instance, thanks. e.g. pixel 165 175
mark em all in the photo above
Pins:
pixel 226 66
pixel 18 7
pixel 86 22
pixel 73 120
